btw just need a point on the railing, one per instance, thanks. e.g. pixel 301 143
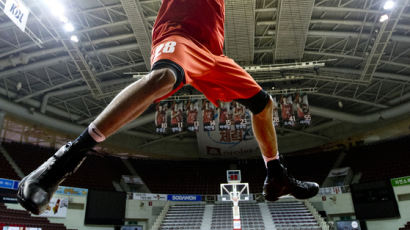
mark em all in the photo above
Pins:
pixel 322 223
pixel 160 218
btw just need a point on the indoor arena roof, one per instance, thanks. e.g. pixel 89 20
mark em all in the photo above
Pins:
pixel 358 72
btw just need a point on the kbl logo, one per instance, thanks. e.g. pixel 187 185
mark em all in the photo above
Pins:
pixel 16 12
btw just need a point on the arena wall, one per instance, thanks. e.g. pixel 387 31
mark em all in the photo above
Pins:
pixel 341 206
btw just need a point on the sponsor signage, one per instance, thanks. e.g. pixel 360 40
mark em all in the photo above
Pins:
pixel 8 184
pixel 149 196
pixel 173 197
pixel 17 12
pixel 56 208
pixel 400 181
pixel 62 190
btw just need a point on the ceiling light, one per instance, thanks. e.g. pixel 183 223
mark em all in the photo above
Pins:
pixel 55 7
pixel 388 5
pixel 68 27
pixel 74 38
pixel 63 19
pixel 384 17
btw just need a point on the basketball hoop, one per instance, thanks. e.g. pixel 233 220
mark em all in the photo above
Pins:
pixel 235 191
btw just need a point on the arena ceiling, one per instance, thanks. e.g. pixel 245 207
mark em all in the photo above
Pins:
pixel 366 75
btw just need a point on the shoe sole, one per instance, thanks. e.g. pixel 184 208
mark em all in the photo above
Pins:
pixel 29 206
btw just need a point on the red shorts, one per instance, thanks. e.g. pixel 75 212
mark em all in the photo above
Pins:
pixel 219 78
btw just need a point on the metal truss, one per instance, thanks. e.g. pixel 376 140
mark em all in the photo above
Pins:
pixel 338 30
pixel 381 41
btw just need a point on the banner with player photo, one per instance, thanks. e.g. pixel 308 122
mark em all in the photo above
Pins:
pixel 161 119
pixel 208 116
pixel 224 116
pixel 301 105
pixel 287 114
pixel 289 111
pixel 276 108
pixel 56 208
pixel 232 137
pixel 191 110
pixel 241 117
pixel 177 117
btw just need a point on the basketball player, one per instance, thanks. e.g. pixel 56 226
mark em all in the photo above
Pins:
pixel 187 42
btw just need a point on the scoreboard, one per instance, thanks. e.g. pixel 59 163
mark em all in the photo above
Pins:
pixel 233 176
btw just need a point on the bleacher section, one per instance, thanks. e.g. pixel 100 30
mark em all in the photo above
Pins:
pixel 292 214
pixel 19 217
pixel 251 217
pixel 222 216
pixel 184 216
pixel 95 173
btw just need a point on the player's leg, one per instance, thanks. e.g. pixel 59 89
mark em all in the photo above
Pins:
pixel 230 82
pixel 36 189
pixel 277 182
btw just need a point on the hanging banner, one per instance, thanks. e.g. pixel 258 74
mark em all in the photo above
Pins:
pixel 56 208
pixel 286 105
pixel 192 121
pixel 275 109
pixel 9 184
pixel 177 119
pixel 208 115
pixel 161 121
pixel 227 143
pixel 239 116
pixel 301 106
pixel 17 12
pixel 224 115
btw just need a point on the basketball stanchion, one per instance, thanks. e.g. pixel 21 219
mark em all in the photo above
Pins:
pixel 235 191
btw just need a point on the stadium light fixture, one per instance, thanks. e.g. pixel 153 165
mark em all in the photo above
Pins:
pixel 388 5
pixel 63 19
pixel 383 18
pixel 74 38
pixel 68 27
pixel 56 8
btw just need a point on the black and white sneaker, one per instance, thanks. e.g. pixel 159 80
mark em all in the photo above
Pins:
pixel 278 183
pixel 36 189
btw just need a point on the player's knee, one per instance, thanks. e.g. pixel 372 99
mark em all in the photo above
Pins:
pixel 258 103
pixel 161 79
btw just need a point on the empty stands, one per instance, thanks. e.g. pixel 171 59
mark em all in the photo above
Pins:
pixel 251 217
pixel 184 216
pixel 222 216
pixel 292 214
pixel 19 217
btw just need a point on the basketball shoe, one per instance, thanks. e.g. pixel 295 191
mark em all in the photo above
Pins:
pixel 279 183
pixel 36 189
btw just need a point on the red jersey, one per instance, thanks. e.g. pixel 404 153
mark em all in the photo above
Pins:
pixel 202 20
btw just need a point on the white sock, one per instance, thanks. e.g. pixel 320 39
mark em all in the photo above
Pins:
pixel 95 133
pixel 267 159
